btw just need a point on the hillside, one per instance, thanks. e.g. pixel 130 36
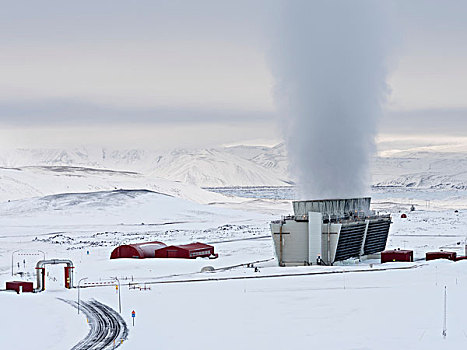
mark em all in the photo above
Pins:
pixel 37 181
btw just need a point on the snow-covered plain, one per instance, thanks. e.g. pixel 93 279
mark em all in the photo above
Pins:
pixel 82 214
pixel 368 310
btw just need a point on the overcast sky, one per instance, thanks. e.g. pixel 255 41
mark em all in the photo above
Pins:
pixel 165 74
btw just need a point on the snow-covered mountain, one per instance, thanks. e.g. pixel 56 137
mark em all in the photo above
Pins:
pixel 225 166
pixel 422 170
pixel 273 158
pixel 401 165
pixel 90 157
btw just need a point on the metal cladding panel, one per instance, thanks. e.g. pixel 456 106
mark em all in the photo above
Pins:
pixel 295 241
pixel 350 241
pixel 377 236
pixel 328 248
pixel 172 252
pixel 275 227
pixel 337 207
pixel 186 251
pixel 315 221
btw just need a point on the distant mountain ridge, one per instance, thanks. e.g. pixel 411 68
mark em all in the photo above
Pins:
pixel 421 170
pixel 244 165
pixel 225 166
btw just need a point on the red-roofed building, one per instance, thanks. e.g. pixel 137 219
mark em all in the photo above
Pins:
pixel 441 255
pixel 161 250
pixel 20 285
pixel 137 250
pixel 186 251
pixel 396 255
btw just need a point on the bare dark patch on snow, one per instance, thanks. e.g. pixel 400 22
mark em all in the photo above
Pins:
pixel 110 239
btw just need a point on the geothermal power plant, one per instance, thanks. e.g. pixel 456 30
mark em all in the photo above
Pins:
pixel 326 231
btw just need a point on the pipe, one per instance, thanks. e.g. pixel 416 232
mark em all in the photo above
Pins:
pixel 40 272
pixel 82 279
pixel 280 246
pixel 68 277
pixel 41 263
pixel 329 239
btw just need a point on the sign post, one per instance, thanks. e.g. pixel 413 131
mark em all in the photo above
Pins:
pixel 133 315
pixel 445 315
pixel 117 288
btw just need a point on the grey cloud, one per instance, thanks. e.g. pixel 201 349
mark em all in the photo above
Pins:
pixel 448 121
pixel 67 21
pixel 75 112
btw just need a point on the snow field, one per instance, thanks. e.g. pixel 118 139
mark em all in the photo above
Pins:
pixel 372 310
pixel 39 321
pixel 353 310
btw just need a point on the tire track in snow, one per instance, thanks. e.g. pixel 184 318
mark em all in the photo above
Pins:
pixel 108 329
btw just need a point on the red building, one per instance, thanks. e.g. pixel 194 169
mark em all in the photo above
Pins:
pixel 186 251
pixel 441 255
pixel 137 250
pixel 15 285
pixel 397 255
pixel 160 250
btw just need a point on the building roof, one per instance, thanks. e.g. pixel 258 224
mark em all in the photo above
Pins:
pixel 442 252
pixel 398 251
pixel 147 249
pixel 193 246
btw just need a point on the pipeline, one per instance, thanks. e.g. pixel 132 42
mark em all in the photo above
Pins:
pixel 302 274
pixel 40 273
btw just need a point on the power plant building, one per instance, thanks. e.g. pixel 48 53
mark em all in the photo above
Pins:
pixel 326 231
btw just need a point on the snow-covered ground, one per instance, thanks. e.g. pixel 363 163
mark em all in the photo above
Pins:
pixel 274 308
pixel 82 211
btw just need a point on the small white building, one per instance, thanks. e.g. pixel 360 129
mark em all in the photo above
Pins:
pixel 326 231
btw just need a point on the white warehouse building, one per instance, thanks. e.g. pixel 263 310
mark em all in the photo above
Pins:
pixel 326 231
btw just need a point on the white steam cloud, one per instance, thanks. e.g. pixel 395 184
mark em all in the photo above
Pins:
pixel 330 63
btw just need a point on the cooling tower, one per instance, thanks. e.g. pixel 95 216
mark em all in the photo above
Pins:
pixel 330 230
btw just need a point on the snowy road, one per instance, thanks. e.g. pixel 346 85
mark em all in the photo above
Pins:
pixel 108 329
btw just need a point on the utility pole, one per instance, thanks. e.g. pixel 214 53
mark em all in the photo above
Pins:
pixel 82 279
pixel 119 297
pixel 12 255
pixel 19 250
pixel 280 245
pixel 445 315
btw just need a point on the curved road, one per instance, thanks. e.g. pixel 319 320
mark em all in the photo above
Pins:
pixel 108 329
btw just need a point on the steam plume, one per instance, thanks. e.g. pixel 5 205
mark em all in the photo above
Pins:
pixel 329 61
